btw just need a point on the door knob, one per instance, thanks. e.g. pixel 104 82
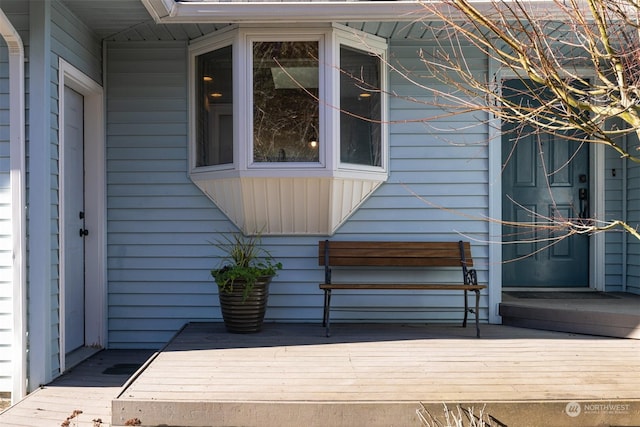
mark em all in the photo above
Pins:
pixel 84 232
pixel 582 194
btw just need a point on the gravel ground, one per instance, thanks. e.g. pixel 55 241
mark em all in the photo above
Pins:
pixel 5 400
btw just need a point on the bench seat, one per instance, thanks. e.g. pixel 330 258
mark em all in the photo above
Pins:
pixel 399 254
pixel 401 286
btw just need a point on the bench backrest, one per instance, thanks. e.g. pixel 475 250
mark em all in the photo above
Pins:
pixel 394 254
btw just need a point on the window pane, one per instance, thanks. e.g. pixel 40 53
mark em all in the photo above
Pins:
pixel 360 109
pixel 214 115
pixel 285 102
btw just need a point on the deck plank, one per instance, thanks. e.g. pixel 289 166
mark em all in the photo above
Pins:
pixel 85 387
pixel 364 375
pixel 385 363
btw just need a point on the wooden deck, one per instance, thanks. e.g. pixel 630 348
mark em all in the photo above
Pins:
pixel 364 375
pixel 377 375
pixel 90 388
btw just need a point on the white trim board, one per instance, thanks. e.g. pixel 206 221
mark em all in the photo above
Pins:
pixel 95 201
pixel 18 216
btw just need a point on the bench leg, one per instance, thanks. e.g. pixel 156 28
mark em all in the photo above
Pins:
pixel 327 309
pixel 474 311
pixel 466 310
pixel 324 309
pixel 477 312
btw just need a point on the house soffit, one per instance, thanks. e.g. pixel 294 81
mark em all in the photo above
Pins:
pixel 245 11
pixel 270 11
pixel 129 20
pixel 185 20
pixel 145 20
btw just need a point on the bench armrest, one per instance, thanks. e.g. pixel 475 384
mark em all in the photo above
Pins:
pixel 470 276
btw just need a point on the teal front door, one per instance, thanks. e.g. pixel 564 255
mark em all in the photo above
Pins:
pixel 545 179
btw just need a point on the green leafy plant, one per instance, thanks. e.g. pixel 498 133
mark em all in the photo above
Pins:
pixel 245 260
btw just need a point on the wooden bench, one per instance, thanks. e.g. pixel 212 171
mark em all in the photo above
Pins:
pixel 399 254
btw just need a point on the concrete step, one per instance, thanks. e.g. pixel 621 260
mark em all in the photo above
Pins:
pixel 611 314
pixel 369 414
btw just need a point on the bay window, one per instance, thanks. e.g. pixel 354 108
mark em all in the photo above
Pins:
pixel 287 126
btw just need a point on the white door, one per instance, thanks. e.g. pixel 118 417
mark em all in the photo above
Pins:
pixel 74 231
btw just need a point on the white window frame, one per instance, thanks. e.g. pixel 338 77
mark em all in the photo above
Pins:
pixel 219 40
pixel 330 39
pixel 248 37
pixel 346 37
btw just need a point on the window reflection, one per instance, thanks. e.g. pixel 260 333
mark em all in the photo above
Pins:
pixel 360 109
pixel 214 137
pixel 285 101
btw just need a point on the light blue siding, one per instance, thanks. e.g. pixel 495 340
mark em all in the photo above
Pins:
pixel 73 41
pixel 55 33
pixel 438 186
pixel 160 225
pixel 633 246
pixel 614 210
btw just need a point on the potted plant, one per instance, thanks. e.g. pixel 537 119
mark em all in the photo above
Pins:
pixel 243 282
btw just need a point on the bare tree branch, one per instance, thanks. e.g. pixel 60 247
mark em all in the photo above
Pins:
pixel 579 61
pixel 552 52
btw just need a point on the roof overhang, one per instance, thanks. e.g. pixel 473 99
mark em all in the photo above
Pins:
pixel 170 11
pixel 247 11
pixel 159 9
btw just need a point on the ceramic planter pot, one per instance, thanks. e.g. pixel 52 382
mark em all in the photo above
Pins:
pixel 245 315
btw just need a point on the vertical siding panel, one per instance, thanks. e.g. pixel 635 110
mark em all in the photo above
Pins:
pixel 287 196
pixel 301 188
